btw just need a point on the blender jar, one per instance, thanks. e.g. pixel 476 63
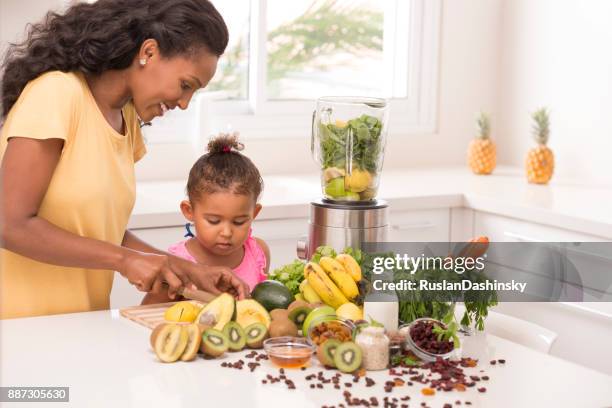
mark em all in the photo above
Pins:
pixel 348 141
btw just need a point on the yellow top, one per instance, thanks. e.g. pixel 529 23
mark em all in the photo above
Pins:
pixel 91 193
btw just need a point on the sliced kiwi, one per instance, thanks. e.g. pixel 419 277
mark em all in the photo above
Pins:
pixel 283 327
pixel 348 357
pixel 256 333
pixel 279 314
pixel 170 343
pixel 326 351
pixel 193 342
pixel 214 343
pixel 299 313
pixel 235 336
pixel 155 333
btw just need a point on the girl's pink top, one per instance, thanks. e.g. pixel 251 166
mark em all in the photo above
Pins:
pixel 251 269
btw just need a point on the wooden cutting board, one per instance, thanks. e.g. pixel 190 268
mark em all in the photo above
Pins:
pixel 149 315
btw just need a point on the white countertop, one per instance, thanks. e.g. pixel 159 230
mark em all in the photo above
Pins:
pixel 106 361
pixel 560 204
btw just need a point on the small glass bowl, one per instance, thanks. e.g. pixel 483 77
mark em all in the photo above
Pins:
pixel 346 325
pixel 419 352
pixel 289 352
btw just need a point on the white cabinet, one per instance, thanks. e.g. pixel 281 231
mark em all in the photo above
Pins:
pixel 505 229
pixel 420 226
pixel 161 238
pixel 282 237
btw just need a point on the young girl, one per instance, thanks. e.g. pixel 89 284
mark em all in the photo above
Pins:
pixel 223 189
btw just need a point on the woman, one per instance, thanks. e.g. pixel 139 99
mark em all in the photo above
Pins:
pixel 72 97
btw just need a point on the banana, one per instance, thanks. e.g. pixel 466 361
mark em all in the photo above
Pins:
pixel 350 266
pixel 341 278
pixel 309 293
pixel 323 286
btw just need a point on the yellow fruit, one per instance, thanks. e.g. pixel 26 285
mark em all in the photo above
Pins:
pixel 331 173
pixel 249 311
pixel 482 156
pixel 322 284
pixel 155 333
pixel 341 123
pixel 341 278
pixel 350 266
pixel 171 342
pixel 218 311
pixel 350 311
pixel 309 293
pixel 181 312
pixel 357 181
pixel 540 165
pixel 194 337
pixel 540 162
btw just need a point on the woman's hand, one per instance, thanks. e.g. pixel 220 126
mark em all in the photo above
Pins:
pixel 213 279
pixel 145 270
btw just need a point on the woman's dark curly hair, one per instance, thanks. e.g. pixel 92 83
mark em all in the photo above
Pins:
pixel 107 35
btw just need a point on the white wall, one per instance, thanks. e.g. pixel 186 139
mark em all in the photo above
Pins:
pixel 469 79
pixel 15 14
pixel 557 53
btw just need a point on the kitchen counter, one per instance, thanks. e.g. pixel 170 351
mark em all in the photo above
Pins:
pixel 561 204
pixel 106 361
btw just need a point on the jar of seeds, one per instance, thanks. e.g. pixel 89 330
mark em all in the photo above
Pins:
pixel 374 345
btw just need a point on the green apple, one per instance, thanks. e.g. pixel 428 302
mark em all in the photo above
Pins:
pixel 335 187
pixel 315 314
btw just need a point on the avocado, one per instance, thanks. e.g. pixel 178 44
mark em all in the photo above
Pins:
pixel 218 312
pixel 272 295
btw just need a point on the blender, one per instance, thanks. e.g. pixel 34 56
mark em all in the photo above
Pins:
pixel 348 141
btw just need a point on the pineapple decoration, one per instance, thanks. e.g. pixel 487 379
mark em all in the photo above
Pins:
pixel 540 162
pixel 481 153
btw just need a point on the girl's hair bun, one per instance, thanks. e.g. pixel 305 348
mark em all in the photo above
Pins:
pixel 225 143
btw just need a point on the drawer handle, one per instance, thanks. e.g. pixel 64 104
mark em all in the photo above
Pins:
pixel 520 237
pixel 416 225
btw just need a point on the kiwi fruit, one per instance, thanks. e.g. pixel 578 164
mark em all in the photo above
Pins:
pixel 326 351
pixel 170 343
pixel 155 333
pixel 279 314
pixel 193 342
pixel 214 343
pixel 256 333
pixel 236 339
pixel 284 327
pixel 297 303
pixel 298 314
pixel 348 357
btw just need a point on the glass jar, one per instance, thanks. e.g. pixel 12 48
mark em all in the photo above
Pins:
pixel 348 141
pixel 374 345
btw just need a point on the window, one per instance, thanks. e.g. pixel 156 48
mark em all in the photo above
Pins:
pixel 283 55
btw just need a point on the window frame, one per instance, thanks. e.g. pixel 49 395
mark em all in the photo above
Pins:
pixel 261 119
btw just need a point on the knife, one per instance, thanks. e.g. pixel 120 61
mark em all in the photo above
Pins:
pixel 195 294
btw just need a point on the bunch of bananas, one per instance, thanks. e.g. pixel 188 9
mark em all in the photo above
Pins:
pixel 332 281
